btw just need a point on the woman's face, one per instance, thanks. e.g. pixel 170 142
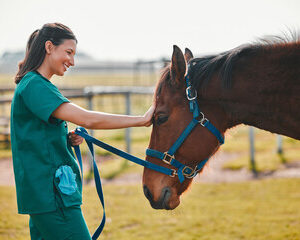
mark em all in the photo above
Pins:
pixel 61 57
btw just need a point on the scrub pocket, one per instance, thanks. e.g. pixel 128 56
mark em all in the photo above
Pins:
pixel 66 186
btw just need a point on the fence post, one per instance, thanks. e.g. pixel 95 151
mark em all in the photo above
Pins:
pixel 252 151
pixel 90 107
pixel 280 149
pixel 279 144
pixel 136 73
pixel 90 96
pixel 128 130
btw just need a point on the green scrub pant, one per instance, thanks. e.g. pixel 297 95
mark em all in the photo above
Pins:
pixel 62 224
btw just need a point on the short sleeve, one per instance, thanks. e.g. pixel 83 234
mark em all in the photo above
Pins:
pixel 41 97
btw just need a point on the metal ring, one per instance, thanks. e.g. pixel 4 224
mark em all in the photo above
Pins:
pixel 174 173
pixel 187 93
pixel 203 121
pixel 201 114
pixel 192 175
pixel 186 174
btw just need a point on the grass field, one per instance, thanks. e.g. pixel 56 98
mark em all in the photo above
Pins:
pixel 256 210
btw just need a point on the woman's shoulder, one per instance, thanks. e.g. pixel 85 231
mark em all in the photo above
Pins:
pixel 34 84
pixel 32 79
pixel 32 76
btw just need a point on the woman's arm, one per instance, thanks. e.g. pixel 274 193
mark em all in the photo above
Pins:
pixel 98 120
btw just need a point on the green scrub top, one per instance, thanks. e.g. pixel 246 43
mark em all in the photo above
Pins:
pixel 40 146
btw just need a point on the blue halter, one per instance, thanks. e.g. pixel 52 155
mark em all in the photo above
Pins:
pixel 198 118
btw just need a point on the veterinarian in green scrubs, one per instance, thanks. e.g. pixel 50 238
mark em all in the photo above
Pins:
pixel 47 177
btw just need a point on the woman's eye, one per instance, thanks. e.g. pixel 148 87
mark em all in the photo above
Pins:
pixel 161 119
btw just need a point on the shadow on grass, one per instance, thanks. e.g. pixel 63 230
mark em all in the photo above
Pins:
pixel 282 158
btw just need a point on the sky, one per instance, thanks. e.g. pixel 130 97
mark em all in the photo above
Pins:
pixel 121 30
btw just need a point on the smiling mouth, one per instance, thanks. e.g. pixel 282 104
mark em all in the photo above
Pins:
pixel 66 67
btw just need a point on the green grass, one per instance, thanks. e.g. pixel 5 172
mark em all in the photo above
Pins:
pixel 5 153
pixel 266 156
pixel 255 210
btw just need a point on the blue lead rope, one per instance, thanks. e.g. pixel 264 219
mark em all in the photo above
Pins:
pixel 90 141
pixel 97 180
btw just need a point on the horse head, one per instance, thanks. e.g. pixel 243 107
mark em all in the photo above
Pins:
pixel 172 116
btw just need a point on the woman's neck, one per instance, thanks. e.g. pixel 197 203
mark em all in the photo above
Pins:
pixel 44 70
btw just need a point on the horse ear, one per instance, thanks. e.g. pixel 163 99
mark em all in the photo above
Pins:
pixel 178 66
pixel 188 55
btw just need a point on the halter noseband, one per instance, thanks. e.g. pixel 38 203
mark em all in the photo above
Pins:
pixel 198 118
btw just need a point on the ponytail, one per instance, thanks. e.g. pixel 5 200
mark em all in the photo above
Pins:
pixel 23 65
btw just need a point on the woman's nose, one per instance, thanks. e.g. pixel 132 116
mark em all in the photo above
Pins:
pixel 72 62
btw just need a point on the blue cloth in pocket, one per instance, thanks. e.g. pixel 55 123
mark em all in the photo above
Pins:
pixel 67 183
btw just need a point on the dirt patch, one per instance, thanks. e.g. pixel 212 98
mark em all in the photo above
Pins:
pixel 6 172
pixel 212 173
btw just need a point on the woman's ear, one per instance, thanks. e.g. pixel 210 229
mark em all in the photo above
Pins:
pixel 48 46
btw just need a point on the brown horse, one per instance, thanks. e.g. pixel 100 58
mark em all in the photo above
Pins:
pixel 255 84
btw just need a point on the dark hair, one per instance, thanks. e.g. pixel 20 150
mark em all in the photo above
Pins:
pixel 35 49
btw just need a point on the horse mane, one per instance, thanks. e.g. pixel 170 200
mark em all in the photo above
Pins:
pixel 202 69
pixel 165 74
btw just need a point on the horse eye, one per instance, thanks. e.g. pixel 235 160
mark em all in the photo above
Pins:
pixel 161 119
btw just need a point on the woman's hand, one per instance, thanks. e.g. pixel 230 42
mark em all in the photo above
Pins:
pixel 74 139
pixel 148 116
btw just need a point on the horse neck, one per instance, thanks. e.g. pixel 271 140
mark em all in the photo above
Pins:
pixel 265 91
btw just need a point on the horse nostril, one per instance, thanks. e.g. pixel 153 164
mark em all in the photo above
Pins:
pixel 147 193
pixel 163 200
pixel 165 196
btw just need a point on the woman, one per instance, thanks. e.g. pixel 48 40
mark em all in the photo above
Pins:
pixel 47 176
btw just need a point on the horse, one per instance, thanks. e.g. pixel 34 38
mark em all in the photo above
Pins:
pixel 256 84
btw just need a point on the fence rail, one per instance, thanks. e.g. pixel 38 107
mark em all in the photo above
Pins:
pixel 88 93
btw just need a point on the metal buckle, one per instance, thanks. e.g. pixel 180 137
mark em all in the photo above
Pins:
pixel 174 173
pixel 167 158
pixel 187 90
pixel 190 175
pixel 203 119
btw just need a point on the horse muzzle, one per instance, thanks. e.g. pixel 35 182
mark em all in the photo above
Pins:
pixel 164 200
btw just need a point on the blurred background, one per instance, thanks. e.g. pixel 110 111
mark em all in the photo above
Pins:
pixel 250 190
